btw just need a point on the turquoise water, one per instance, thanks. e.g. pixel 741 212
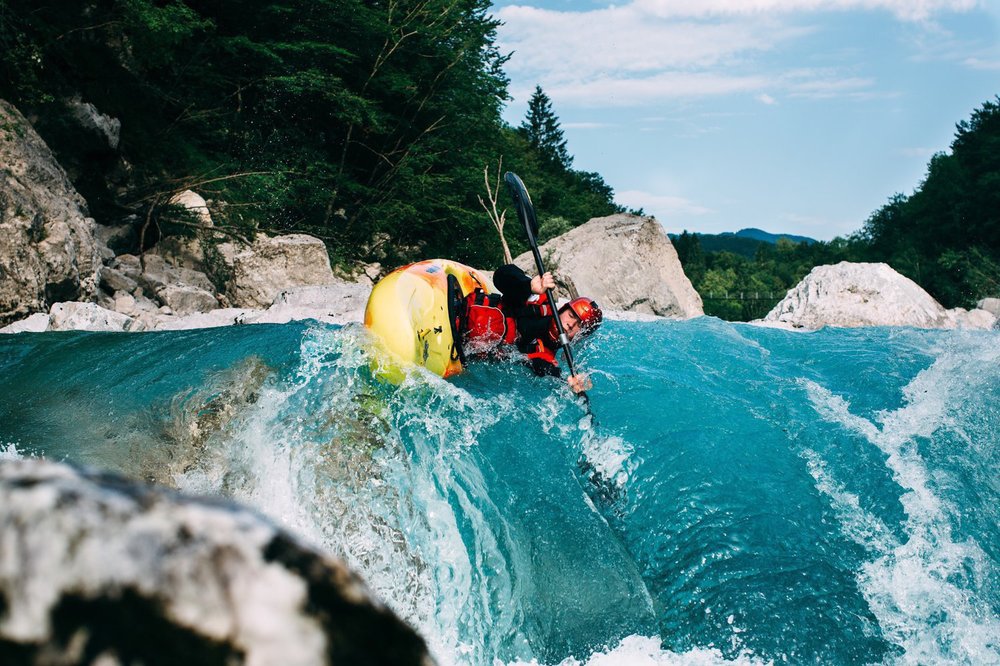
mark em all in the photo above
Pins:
pixel 743 494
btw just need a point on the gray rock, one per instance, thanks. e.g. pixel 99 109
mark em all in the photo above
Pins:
pixel 182 289
pixel 185 299
pixel 182 252
pixel 113 280
pixel 271 265
pixel 99 569
pixel 90 119
pixel 36 323
pixel 120 238
pixel 624 262
pixel 48 250
pixel 75 316
pixel 860 294
pixel 991 305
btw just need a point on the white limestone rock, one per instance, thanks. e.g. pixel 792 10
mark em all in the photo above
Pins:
pixel 860 294
pixel 195 203
pixel 269 266
pixel 991 305
pixel 90 561
pixel 48 250
pixel 36 323
pixel 210 319
pixel 624 262
pixel 76 316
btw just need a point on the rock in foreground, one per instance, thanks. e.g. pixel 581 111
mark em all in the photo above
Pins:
pixel 859 294
pixel 98 569
pixel 624 262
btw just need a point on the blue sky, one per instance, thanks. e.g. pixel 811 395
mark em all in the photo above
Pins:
pixel 793 116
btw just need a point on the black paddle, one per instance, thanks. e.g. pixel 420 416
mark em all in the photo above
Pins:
pixel 526 213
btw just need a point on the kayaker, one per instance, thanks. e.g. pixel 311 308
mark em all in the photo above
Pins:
pixel 522 317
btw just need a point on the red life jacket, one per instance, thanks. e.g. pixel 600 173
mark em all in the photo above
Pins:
pixel 487 326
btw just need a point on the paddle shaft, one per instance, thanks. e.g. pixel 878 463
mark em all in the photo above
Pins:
pixel 526 212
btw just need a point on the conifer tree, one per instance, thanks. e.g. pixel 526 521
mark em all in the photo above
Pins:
pixel 541 128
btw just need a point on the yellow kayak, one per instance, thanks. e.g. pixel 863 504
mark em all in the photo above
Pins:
pixel 413 322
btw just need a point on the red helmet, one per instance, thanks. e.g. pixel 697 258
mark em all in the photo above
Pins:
pixel 587 311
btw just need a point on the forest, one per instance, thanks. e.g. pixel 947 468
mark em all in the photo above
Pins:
pixel 368 124
pixel 376 125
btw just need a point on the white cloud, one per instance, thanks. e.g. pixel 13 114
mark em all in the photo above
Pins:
pixel 627 40
pixel 660 206
pixel 907 10
pixel 764 98
pixel 648 51
pixel 980 63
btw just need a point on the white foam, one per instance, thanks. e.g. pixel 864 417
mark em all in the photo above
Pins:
pixel 9 452
pixel 923 589
pixel 646 651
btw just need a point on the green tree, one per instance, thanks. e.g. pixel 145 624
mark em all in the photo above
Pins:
pixel 541 129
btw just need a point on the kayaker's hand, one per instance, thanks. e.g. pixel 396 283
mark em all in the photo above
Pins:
pixel 540 283
pixel 579 383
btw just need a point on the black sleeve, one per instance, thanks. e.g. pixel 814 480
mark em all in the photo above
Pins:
pixel 513 283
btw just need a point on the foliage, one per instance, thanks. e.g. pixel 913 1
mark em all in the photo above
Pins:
pixel 739 288
pixel 946 235
pixel 364 123
pixel 541 129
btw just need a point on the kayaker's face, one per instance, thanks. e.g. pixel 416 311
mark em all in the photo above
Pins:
pixel 570 323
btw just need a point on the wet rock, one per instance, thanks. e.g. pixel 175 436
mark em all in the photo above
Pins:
pixel 860 294
pixel 48 249
pixel 624 262
pixel 99 569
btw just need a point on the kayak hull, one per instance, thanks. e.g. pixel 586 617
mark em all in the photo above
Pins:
pixel 408 313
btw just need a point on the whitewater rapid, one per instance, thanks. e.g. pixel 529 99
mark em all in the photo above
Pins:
pixel 738 494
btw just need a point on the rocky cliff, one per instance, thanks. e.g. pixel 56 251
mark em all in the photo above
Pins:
pixel 48 250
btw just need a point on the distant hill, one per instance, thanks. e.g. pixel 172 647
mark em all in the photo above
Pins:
pixel 743 242
pixel 767 237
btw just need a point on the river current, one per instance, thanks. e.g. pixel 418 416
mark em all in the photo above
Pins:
pixel 738 494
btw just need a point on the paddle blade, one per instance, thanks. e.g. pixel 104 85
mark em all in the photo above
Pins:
pixel 523 205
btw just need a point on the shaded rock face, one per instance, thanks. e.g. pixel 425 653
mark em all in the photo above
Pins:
pixel 98 569
pixel 271 265
pixel 48 251
pixel 624 262
pixel 859 294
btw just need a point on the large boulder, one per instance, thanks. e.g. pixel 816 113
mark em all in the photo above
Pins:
pixel 48 251
pixel 624 262
pixel 860 294
pixel 75 316
pixel 95 569
pixel 269 266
